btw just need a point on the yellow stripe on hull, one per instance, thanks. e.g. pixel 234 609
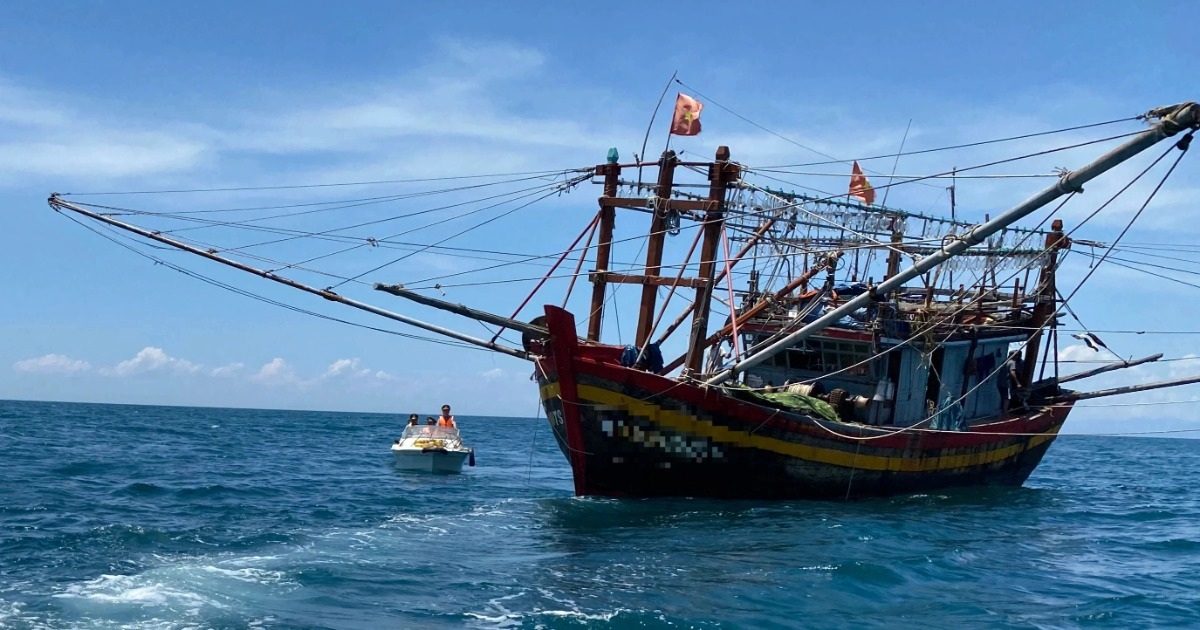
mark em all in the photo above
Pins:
pixel 690 425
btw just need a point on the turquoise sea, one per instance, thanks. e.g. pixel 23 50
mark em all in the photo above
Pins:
pixel 116 516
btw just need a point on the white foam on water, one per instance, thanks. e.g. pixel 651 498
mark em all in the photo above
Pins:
pixel 9 611
pixel 498 612
pixel 414 520
pixel 249 574
pixel 183 592
pixel 139 589
pixel 504 620
pixel 576 614
pixel 498 615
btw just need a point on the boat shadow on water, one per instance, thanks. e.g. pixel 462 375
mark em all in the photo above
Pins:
pixel 598 515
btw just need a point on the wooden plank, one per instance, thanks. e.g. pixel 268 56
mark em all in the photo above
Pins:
pixel 636 203
pixel 657 281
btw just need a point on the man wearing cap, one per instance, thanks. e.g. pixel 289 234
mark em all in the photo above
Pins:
pixel 413 420
pixel 446 420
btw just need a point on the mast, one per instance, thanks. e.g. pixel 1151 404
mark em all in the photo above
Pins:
pixel 1173 119
pixel 720 174
pixel 893 261
pixel 59 204
pixel 1045 309
pixel 608 214
pixel 654 247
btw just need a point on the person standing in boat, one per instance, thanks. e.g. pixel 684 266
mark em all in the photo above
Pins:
pixel 446 420
pixel 1009 380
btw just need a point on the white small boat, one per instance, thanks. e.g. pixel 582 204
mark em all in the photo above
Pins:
pixel 431 448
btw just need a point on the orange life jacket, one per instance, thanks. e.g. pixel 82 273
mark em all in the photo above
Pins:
pixel 443 421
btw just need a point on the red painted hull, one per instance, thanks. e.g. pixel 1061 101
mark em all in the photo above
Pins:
pixel 627 432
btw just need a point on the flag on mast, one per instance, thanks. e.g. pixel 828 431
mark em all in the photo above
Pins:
pixel 687 116
pixel 859 186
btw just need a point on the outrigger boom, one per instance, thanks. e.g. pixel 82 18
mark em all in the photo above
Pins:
pixel 58 204
pixel 459 309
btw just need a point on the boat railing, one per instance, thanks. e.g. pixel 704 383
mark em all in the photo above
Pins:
pixel 430 431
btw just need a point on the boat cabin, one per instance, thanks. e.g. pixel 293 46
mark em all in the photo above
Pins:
pixel 873 369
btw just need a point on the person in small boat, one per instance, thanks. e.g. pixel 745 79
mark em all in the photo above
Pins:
pixel 413 420
pixel 446 420
pixel 429 420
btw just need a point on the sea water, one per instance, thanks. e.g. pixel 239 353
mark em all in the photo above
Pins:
pixel 116 516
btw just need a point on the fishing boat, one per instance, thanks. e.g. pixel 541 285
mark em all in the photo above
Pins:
pixel 870 351
pixel 432 448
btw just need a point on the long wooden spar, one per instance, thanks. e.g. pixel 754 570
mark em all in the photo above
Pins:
pixel 1100 370
pixel 1172 120
pixel 1128 389
pixel 59 204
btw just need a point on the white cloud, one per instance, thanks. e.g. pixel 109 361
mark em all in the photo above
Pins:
pixel 501 376
pixel 1115 412
pixel 453 107
pixel 276 371
pixel 1081 352
pixel 42 137
pixel 384 376
pixel 346 368
pixel 52 364
pixel 151 359
pixel 486 61
pixel 352 369
pixel 226 371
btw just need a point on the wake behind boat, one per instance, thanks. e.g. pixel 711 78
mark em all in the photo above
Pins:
pixel 431 448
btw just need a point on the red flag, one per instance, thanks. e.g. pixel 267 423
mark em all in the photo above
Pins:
pixel 860 187
pixel 687 116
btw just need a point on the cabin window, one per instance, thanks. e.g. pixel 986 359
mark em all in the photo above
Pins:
pixel 827 356
pixel 841 355
pixel 805 359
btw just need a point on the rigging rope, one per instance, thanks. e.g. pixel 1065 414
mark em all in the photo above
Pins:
pixel 261 298
pixel 558 190
pixel 332 185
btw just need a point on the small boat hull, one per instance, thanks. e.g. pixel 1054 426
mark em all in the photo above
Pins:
pixel 439 461
pixel 431 449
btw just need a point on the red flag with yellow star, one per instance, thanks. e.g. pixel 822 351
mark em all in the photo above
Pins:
pixel 687 116
pixel 860 187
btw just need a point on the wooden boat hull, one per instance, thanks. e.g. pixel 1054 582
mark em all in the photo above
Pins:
pixel 627 432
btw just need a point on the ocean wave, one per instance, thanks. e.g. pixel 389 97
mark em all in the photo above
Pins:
pixel 222 490
pixel 142 488
pixel 224 529
pixel 79 468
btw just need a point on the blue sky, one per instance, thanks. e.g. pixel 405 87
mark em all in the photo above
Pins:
pixel 147 96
